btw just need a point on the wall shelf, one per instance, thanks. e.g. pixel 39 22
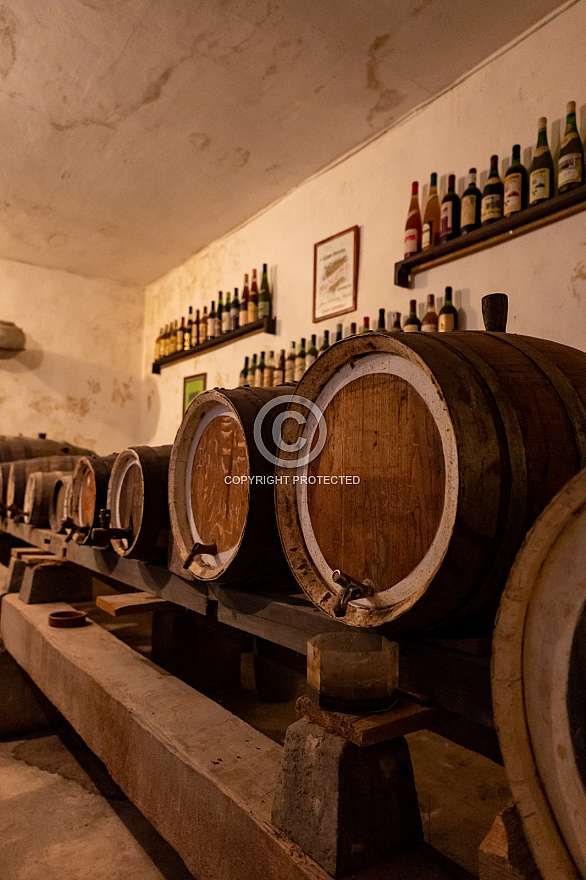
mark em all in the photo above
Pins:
pixel 531 218
pixel 265 325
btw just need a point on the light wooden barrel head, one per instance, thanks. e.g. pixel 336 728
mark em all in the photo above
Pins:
pixel 126 495
pixel 538 682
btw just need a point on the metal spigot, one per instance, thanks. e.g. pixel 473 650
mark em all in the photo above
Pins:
pixel 351 589
pixel 197 550
pixel 102 535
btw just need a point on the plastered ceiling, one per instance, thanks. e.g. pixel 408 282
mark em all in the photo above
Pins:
pixel 135 132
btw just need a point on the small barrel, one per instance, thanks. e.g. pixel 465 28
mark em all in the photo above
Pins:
pixel 59 506
pixel 221 498
pixel 19 448
pixel 4 471
pixel 137 495
pixel 18 475
pixel 89 491
pixel 38 496
pixel 439 452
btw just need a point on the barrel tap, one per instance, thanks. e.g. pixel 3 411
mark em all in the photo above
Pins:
pixel 351 589
pixel 197 550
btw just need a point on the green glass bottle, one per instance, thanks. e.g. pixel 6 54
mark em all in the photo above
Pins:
pixel 571 160
pixel 450 215
pixel 397 322
pixel 339 331
pixel 326 343
pixel 541 174
pixel 243 380
pixel 471 199
pixel 448 316
pixel 264 297
pixel 516 185
pixel 260 371
pixel 252 371
pixel 290 364
pixel 311 355
pixel 300 361
pixel 412 324
pixel 381 319
pixel 492 196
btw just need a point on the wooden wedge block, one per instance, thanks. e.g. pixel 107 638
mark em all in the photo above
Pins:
pixel 132 603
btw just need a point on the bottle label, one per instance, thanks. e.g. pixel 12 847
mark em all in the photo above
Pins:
pixel 252 312
pixel 264 309
pixel 539 185
pixel 446 322
pixel 426 235
pixel 410 241
pixel 570 169
pixel 468 211
pixel 447 218
pixel 513 193
pixel 492 207
pixel 429 328
pixel 411 328
pixel 310 359
pixel 290 372
pixel 539 151
pixel 568 137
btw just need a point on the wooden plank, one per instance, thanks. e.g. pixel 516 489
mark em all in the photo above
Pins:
pixel 504 853
pixel 20 552
pixel 203 777
pixel 264 325
pixel 132 603
pixel 366 730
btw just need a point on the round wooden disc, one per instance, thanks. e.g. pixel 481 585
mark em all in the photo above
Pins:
pixel 538 683
pixel 126 495
pixel 87 498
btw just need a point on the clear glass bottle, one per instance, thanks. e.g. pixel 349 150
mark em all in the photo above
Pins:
pixel 430 235
pixel 413 224
pixel 430 321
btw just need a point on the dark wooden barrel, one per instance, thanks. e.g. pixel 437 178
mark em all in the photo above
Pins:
pixel 539 684
pixel 452 444
pixel 4 471
pixel 212 502
pixel 18 448
pixel 38 495
pixel 89 491
pixel 18 475
pixel 59 507
pixel 137 499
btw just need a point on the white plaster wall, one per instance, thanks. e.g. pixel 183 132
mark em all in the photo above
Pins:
pixel 80 377
pixel 544 272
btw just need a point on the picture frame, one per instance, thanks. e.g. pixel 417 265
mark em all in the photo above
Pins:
pixel 192 388
pixel 335 274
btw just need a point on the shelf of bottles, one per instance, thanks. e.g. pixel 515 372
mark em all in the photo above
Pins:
pixel 533 217
pixel 264 325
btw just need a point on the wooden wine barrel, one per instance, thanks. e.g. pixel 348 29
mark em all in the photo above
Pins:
pixel 18 475
pixel 38 496
pixel 89 491
pixel 137 496
pixel 19 448
pixel 212 502
pixel 59 507
pixel 4 471
pixel 539 684
pixel 453 443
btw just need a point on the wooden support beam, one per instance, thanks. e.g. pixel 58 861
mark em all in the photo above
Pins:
pixel 132 603
pixel 203 777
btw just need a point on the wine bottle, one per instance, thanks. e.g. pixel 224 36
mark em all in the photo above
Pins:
pixel 260 371
pixel 158 345
pixel 339 330
pixel 541 174
pixel 413 224
pixel 352 329
pixel 187 331
pixel 212 319
pixel 165 342
pixel 290 364
pixel 516 185
pixel 450 211
pixel 366 325
pixel 412 324
pixel 226 314
pixel 195 330
pixel 235 311
pixel 381 320
pixel 219 312
pixel 430 235
pixel 252 379
pixel 397 322
pixel 270 370
pixel 311 355
pixel 300 361
pixel 448 316
pixel 571 160
pixel 264 297
pixel 243 379
pixel 326 342
pixel 253 300
pixel 430 320
pixel 181 336
pixel 173 344
pixel 244 303
pixel 203 325
pixel 471 200
pixel 280 369
pixel 492 196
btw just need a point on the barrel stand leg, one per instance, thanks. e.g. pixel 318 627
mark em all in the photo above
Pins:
pixel 343 804
pixel 504 853
pixel 55 581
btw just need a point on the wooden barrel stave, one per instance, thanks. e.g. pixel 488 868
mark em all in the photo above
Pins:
pixel 508 466
pixel 19 448
pixel 137 498
pixel 240 519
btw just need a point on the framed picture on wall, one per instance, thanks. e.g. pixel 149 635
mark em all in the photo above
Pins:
pixel 192 388
pixel 335 274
